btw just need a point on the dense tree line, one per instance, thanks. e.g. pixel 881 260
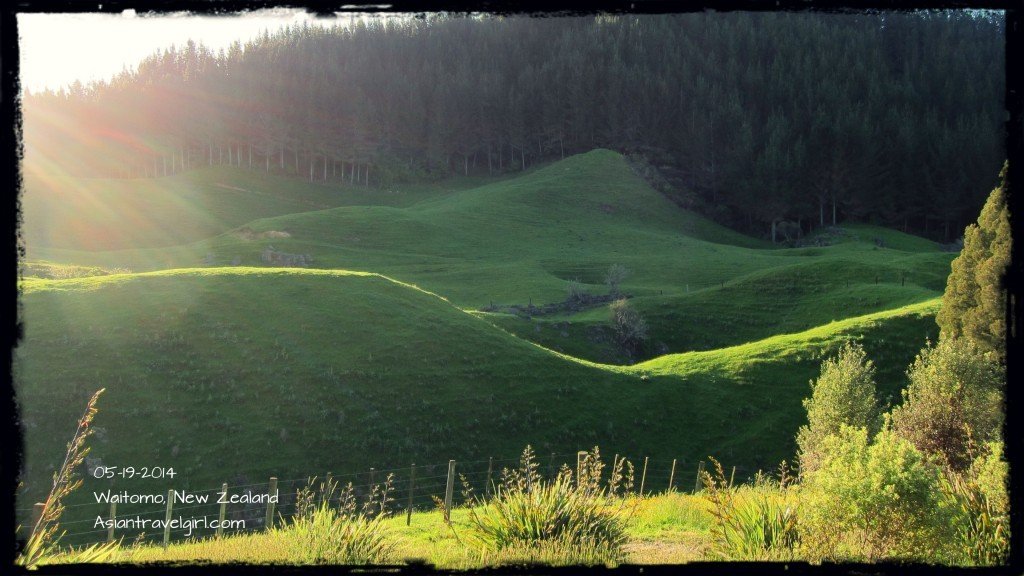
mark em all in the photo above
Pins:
pixel 755 119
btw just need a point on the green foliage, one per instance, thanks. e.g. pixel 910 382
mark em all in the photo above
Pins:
pixel 616 274
pixel 761 526
pixel 990 472
pixel 844 394
pixel 873 500
pixel 982 522
pixel 529 510
pixel 630 328
pixel 953 402
pixel 974 304
pixel 327 529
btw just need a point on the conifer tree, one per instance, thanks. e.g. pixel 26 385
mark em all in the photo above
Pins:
pixel 974 304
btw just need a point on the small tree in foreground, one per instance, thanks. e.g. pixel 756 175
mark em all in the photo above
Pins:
pixel 843 394
pixel 953 404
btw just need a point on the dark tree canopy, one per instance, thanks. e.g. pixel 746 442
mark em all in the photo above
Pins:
pixel 755 119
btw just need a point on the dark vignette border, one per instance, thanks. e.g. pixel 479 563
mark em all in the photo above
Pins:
pixel 10 144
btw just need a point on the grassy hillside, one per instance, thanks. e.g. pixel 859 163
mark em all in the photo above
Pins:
pixel 91 214
pixel 234 374
pixel 522 240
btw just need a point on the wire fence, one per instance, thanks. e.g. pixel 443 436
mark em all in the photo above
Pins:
pixel 246 507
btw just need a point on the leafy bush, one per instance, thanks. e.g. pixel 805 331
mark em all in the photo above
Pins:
pixel 613 279
pixel 630 328
pixel 873 500
pixel 953 403
pixel 760 526
pixel 843 394
pixel 575 519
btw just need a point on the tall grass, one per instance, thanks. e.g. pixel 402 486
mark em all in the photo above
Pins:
pixel 42 544
pixel 560 520
pixel 761 524
pixel 982 528
pixel 327 528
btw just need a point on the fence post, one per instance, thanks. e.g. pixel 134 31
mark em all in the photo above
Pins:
pixel 700 468
pixel 643 476
pixel 672 475
pixel 37 514
pixel 448 491
pixel 373 473
pixel 490 469
pixel 551 466
pixel 223 509
pixel 412 485
pixel 270 502
pixel 113 516
pixel 167 519
pixel 732 476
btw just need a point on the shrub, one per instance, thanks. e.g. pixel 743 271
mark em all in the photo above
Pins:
pixel 953 402
pixel 630 328
pixel 613 279
pixel 873 500
pixel 843 394
pixel 571 519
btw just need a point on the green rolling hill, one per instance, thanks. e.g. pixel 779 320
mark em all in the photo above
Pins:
pixel 521 240
pixel 380 353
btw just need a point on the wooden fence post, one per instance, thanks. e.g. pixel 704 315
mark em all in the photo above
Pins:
pixel 448 491
pixel 113 516
pixel 672 475
pixel 167 518
pixel 270 502
pixel 223 509
pixel 700 468
pixel 412 485
pixel 643 476
pixel 732 476
pixel 373 473
pixel 490 469
pixel 551 466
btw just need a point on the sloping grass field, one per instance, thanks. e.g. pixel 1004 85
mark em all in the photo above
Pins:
pixel 377 355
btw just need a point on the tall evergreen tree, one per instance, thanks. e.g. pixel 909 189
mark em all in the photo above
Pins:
pixel 974 303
